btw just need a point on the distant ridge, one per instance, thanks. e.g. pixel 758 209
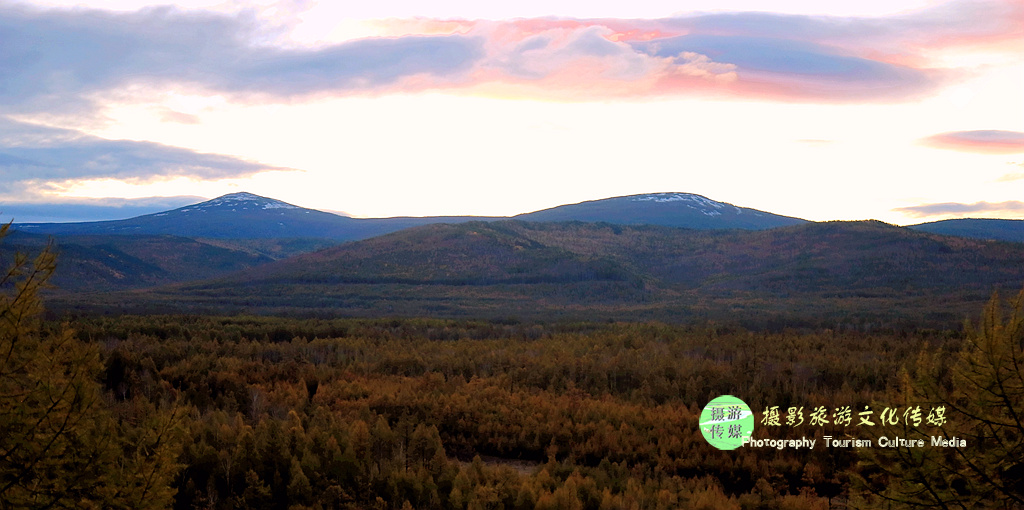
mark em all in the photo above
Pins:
pixel 248 216
pixel 976 228
pixel 820 274
pixel 687 210
pixel 98 263
pixel 241 216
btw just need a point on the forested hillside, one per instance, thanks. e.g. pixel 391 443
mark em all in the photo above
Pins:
pixel 976 228
pixel 258 412
pixel 815 275
pixel 91 263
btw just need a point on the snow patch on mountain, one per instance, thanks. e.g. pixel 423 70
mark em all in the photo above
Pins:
pixel 241 201
pixel 703 204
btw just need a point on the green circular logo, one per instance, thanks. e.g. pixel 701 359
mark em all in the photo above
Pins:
pixel 726 421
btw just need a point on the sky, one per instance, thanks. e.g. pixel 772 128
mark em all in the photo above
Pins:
pixel 904 111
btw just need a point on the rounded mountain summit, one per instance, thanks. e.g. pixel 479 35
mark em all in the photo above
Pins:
pixel 249 216
pixel 686 210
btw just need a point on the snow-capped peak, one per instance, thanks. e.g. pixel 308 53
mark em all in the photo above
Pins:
pixel 703 204
pixel 239 201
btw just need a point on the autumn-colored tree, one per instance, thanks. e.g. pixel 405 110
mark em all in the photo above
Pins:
pixel 973 398
pixel 60 444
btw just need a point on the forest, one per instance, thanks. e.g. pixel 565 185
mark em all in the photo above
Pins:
pixel 816 275
pixel 232 412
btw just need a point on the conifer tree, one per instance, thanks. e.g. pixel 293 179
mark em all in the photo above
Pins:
pixel 975 395
pixel 60 444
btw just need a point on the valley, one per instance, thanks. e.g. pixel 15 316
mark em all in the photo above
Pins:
pixel 511 363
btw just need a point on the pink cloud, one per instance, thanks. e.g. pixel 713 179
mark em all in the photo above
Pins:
pixel 749 55
pixel 981 141
pixel 777 57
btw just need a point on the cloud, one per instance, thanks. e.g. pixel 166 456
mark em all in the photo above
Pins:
pixel 59 59
pixel 593 59
pixel 34 157
pixel 169 115
pixel 781 57
pixel 88 209
pixel 956 23
pixel 981 141
pixel 788 69
pixel 960 209
pixel 1012 176
pixel 65 60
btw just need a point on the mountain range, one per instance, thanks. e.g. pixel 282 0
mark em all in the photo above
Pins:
pixel 241 230
pixel 241 216
pixel 865 274
pixel 249 216
pixel 666 256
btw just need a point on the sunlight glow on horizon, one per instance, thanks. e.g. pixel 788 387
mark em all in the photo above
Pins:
pixel 573 113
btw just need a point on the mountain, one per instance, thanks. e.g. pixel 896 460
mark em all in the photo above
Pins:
pixel 248 216
pixel 864 273
pixel 667 209
pixel 240 216
pixel 977 228
pixel 242 230
pixel 237 215
pixel 110 262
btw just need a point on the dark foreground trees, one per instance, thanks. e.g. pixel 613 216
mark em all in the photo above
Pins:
pixel 424 413
pixel 980 387
pixel 62 444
